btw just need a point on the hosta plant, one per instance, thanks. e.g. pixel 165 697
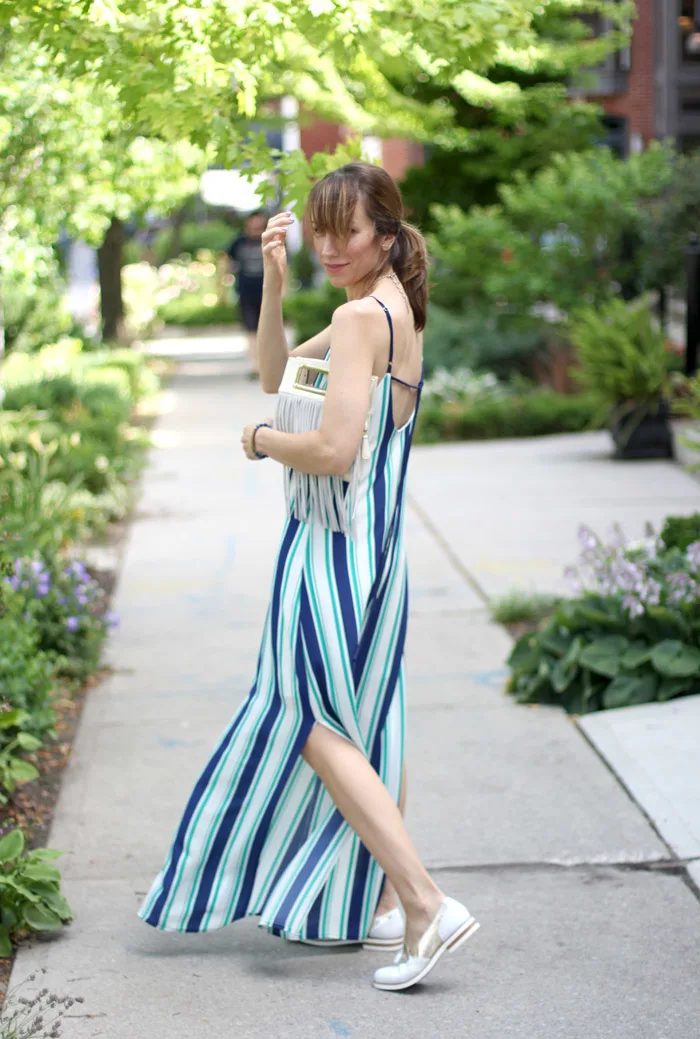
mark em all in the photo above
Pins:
pixel 30 895
pixel 630 636
pixel 14 739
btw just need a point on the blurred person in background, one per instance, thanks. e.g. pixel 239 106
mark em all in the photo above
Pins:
pixel 245 253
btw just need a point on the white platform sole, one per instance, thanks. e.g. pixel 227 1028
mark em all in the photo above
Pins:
pixel 468 928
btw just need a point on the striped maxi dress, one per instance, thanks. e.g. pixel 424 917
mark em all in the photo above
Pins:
pixel 260 836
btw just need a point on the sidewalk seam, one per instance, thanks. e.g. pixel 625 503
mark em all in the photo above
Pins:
pixel 444 545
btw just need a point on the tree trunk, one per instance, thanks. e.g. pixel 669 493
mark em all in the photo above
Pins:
pixel 109 266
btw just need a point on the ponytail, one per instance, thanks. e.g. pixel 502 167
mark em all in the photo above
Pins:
pixel 409 258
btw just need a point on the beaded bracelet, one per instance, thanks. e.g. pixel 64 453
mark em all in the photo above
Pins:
pixel 256 453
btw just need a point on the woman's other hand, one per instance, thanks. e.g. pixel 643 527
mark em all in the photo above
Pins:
pixel 248 440
pixel 274 252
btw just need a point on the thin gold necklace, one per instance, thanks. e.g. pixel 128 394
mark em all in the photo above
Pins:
pixel 393 276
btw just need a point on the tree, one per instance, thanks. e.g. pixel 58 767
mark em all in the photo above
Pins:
pixel 199 69
pixel 555 238
pixel 171 72
pixel 69 162
pixel 520 126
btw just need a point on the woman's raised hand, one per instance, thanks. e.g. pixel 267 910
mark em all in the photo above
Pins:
pixel 273 250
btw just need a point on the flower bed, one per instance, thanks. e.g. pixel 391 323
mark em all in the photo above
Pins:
pixel 69 455
pixel 630 636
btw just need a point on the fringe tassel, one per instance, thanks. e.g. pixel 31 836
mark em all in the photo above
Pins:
pixel 325 500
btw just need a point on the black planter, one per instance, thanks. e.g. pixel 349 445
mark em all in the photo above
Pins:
pixel 642 431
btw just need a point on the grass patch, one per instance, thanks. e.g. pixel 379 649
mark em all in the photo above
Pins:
pixel 519 607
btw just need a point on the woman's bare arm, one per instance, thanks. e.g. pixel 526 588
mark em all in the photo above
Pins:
pixel 330 450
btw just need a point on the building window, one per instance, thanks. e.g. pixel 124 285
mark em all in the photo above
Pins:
pixel 614 135
pixel 689 27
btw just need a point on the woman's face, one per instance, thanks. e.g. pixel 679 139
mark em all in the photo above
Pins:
pixel 349 262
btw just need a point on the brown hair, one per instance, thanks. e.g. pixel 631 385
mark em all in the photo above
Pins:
pixel 331 206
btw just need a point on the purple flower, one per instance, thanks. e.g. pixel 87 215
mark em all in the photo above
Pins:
pixel 42 590
pixel 111 619
pixel 72 623
pixel 633 606
pixel 693 555
pixel 14 583
pixel 82 599
pixel 587 538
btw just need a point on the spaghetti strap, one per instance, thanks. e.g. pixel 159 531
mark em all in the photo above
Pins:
pixel 410 385
pixel 391 333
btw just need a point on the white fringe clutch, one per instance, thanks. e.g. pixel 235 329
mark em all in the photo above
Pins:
pixel 326 500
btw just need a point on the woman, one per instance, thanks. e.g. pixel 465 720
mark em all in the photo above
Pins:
pixel 296 818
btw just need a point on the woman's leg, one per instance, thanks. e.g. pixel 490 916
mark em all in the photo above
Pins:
pixel 389 899
pixel 367 806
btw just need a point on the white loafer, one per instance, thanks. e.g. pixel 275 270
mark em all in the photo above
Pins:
pixel 452 925
pixel 387 931
pixel 386 934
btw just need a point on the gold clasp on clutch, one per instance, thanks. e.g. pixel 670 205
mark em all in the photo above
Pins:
pixel 305 378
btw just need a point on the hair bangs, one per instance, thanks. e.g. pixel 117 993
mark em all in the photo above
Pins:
pixel 331 206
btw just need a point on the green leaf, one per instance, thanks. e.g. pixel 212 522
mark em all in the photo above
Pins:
pixel 43 854
pixel 41 871
pixel 668 618
pixel 675 659
pixel 8 918
pixel 11 846
pixel 5 943
pixel 42 919
pixel 563 674
pixel 28 742
pixel 9 719
pixel 671 687
pixel 56 902
pixel 524 654
pixel 555 641
pixel 638 653
pixel 21 889
pixel 23 771
pixel 604 655
pixel 626 690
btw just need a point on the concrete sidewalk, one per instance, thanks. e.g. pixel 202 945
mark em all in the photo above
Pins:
pixel 589 925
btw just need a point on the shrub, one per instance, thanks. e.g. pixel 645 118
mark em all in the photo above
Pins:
pixel 26 671
pixel 14 739
pixel 68 609
pixel 523 413
pixel 630 637
pixel 302 267
pixel 193 312
pixel 687 404
pixel 310 310
pixel 622 356
pixel 523 607
pixel 496 340
pixel 557 238
pixel 680 531
pixel 30 897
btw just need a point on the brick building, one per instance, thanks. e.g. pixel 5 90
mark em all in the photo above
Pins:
pixel 651 89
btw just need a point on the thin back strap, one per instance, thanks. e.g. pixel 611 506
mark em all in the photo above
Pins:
pixel 391 332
